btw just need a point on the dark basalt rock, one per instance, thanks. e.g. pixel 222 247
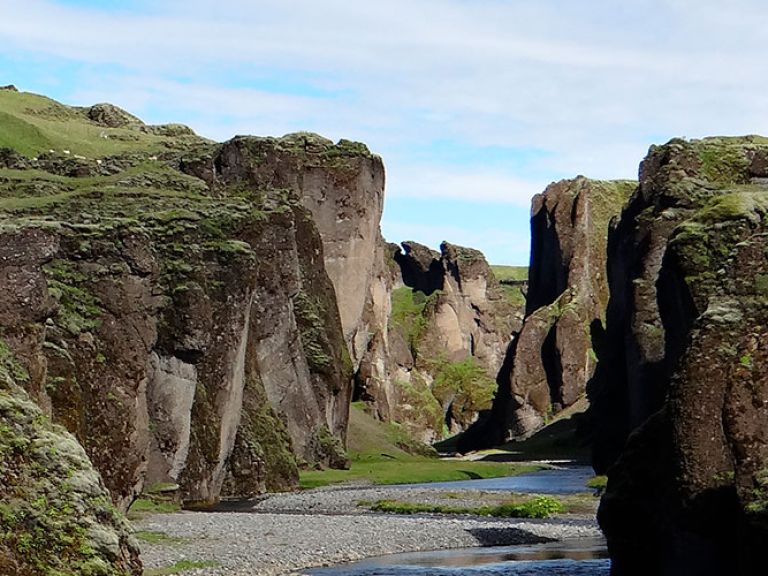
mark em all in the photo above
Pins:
pixel 679 373
pixel 552 356
pixel 181 325
pixel 55 513
pixel 420 267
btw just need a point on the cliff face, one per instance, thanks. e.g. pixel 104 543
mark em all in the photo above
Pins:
pixel 552 356
pixel 342 185
pixel 430 365
pixel 171 314
pixel 680 368
pixel 55 513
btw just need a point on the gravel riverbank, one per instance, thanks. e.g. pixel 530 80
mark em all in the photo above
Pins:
pixel 284 533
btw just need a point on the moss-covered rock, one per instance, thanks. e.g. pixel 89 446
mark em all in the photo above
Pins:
pixel 169 308
pixel 678 374
pixel 56 517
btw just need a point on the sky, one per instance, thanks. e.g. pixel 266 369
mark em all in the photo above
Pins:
pixel 474 105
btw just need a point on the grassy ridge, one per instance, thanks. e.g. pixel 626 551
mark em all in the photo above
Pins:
pixel 517 273
pixel 32 124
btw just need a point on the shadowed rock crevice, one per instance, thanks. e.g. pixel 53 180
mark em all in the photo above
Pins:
pixel 553 368
pixel 553 357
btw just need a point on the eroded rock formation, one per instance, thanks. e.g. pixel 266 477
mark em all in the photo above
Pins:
pixel 56 516
pixel 172 310
pixel 680 376
pixel 552 356
pixel 429 366
pixel 343 187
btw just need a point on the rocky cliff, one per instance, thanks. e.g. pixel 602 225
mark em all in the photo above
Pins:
pixel 342 185
pixel 679 397
pixel 56 517
pixel 172 311
pixel 430 366
pixel 552 356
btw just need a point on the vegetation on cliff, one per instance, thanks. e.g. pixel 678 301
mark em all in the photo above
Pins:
pixel 677 377
pixel 56 517
pixel 165 304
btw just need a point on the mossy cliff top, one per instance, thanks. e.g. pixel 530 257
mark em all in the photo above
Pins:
pixel 88 171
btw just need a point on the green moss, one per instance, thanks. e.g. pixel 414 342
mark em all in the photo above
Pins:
pixel 9 366
pixel 48 523
pixel 79 310
pixel 409 309
pixel 329 448
pixel 314 339
pixel 513 295
pixel 398 435
pixel 424 407
pixel 738 205
pixel 723 162
pixel 262 432
pixel 597 483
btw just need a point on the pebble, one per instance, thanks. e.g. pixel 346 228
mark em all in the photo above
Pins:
pixel 284 533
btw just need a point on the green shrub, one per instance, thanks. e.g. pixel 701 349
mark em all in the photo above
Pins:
pixel 538 507
pixel 597 483
pixel 408 314
pixel 464 385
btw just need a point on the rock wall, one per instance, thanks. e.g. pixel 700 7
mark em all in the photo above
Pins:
pixel 679 398
pixel 342 185
pixel 56 516
pixel 429 365
pixel 173 314
pixel 552 356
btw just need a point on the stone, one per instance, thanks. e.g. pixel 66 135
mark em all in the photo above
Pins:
pixel 441 338
pixel 678 377
pixel 552 356
pixel 55 513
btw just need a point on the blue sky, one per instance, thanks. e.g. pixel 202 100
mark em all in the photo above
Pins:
pixel 474 105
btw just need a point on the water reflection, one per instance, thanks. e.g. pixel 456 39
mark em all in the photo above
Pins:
pixel 582 557
pixel 568 480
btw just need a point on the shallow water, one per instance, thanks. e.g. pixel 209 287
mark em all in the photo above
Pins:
pixel 583 557
pixel 566 480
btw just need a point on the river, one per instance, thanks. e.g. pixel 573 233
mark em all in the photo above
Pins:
pixel 581 557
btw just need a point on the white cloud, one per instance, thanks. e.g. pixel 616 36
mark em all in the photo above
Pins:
pixel 588 83
pixel 467 184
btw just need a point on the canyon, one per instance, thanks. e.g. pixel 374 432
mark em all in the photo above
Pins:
pixel 193 317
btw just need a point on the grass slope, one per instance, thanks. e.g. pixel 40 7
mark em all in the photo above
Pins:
pixel 32 124
pixel 377 458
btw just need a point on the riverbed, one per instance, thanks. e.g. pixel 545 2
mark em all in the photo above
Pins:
pixel 286 533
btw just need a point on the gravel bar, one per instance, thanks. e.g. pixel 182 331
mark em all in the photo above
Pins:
pixel 285 533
